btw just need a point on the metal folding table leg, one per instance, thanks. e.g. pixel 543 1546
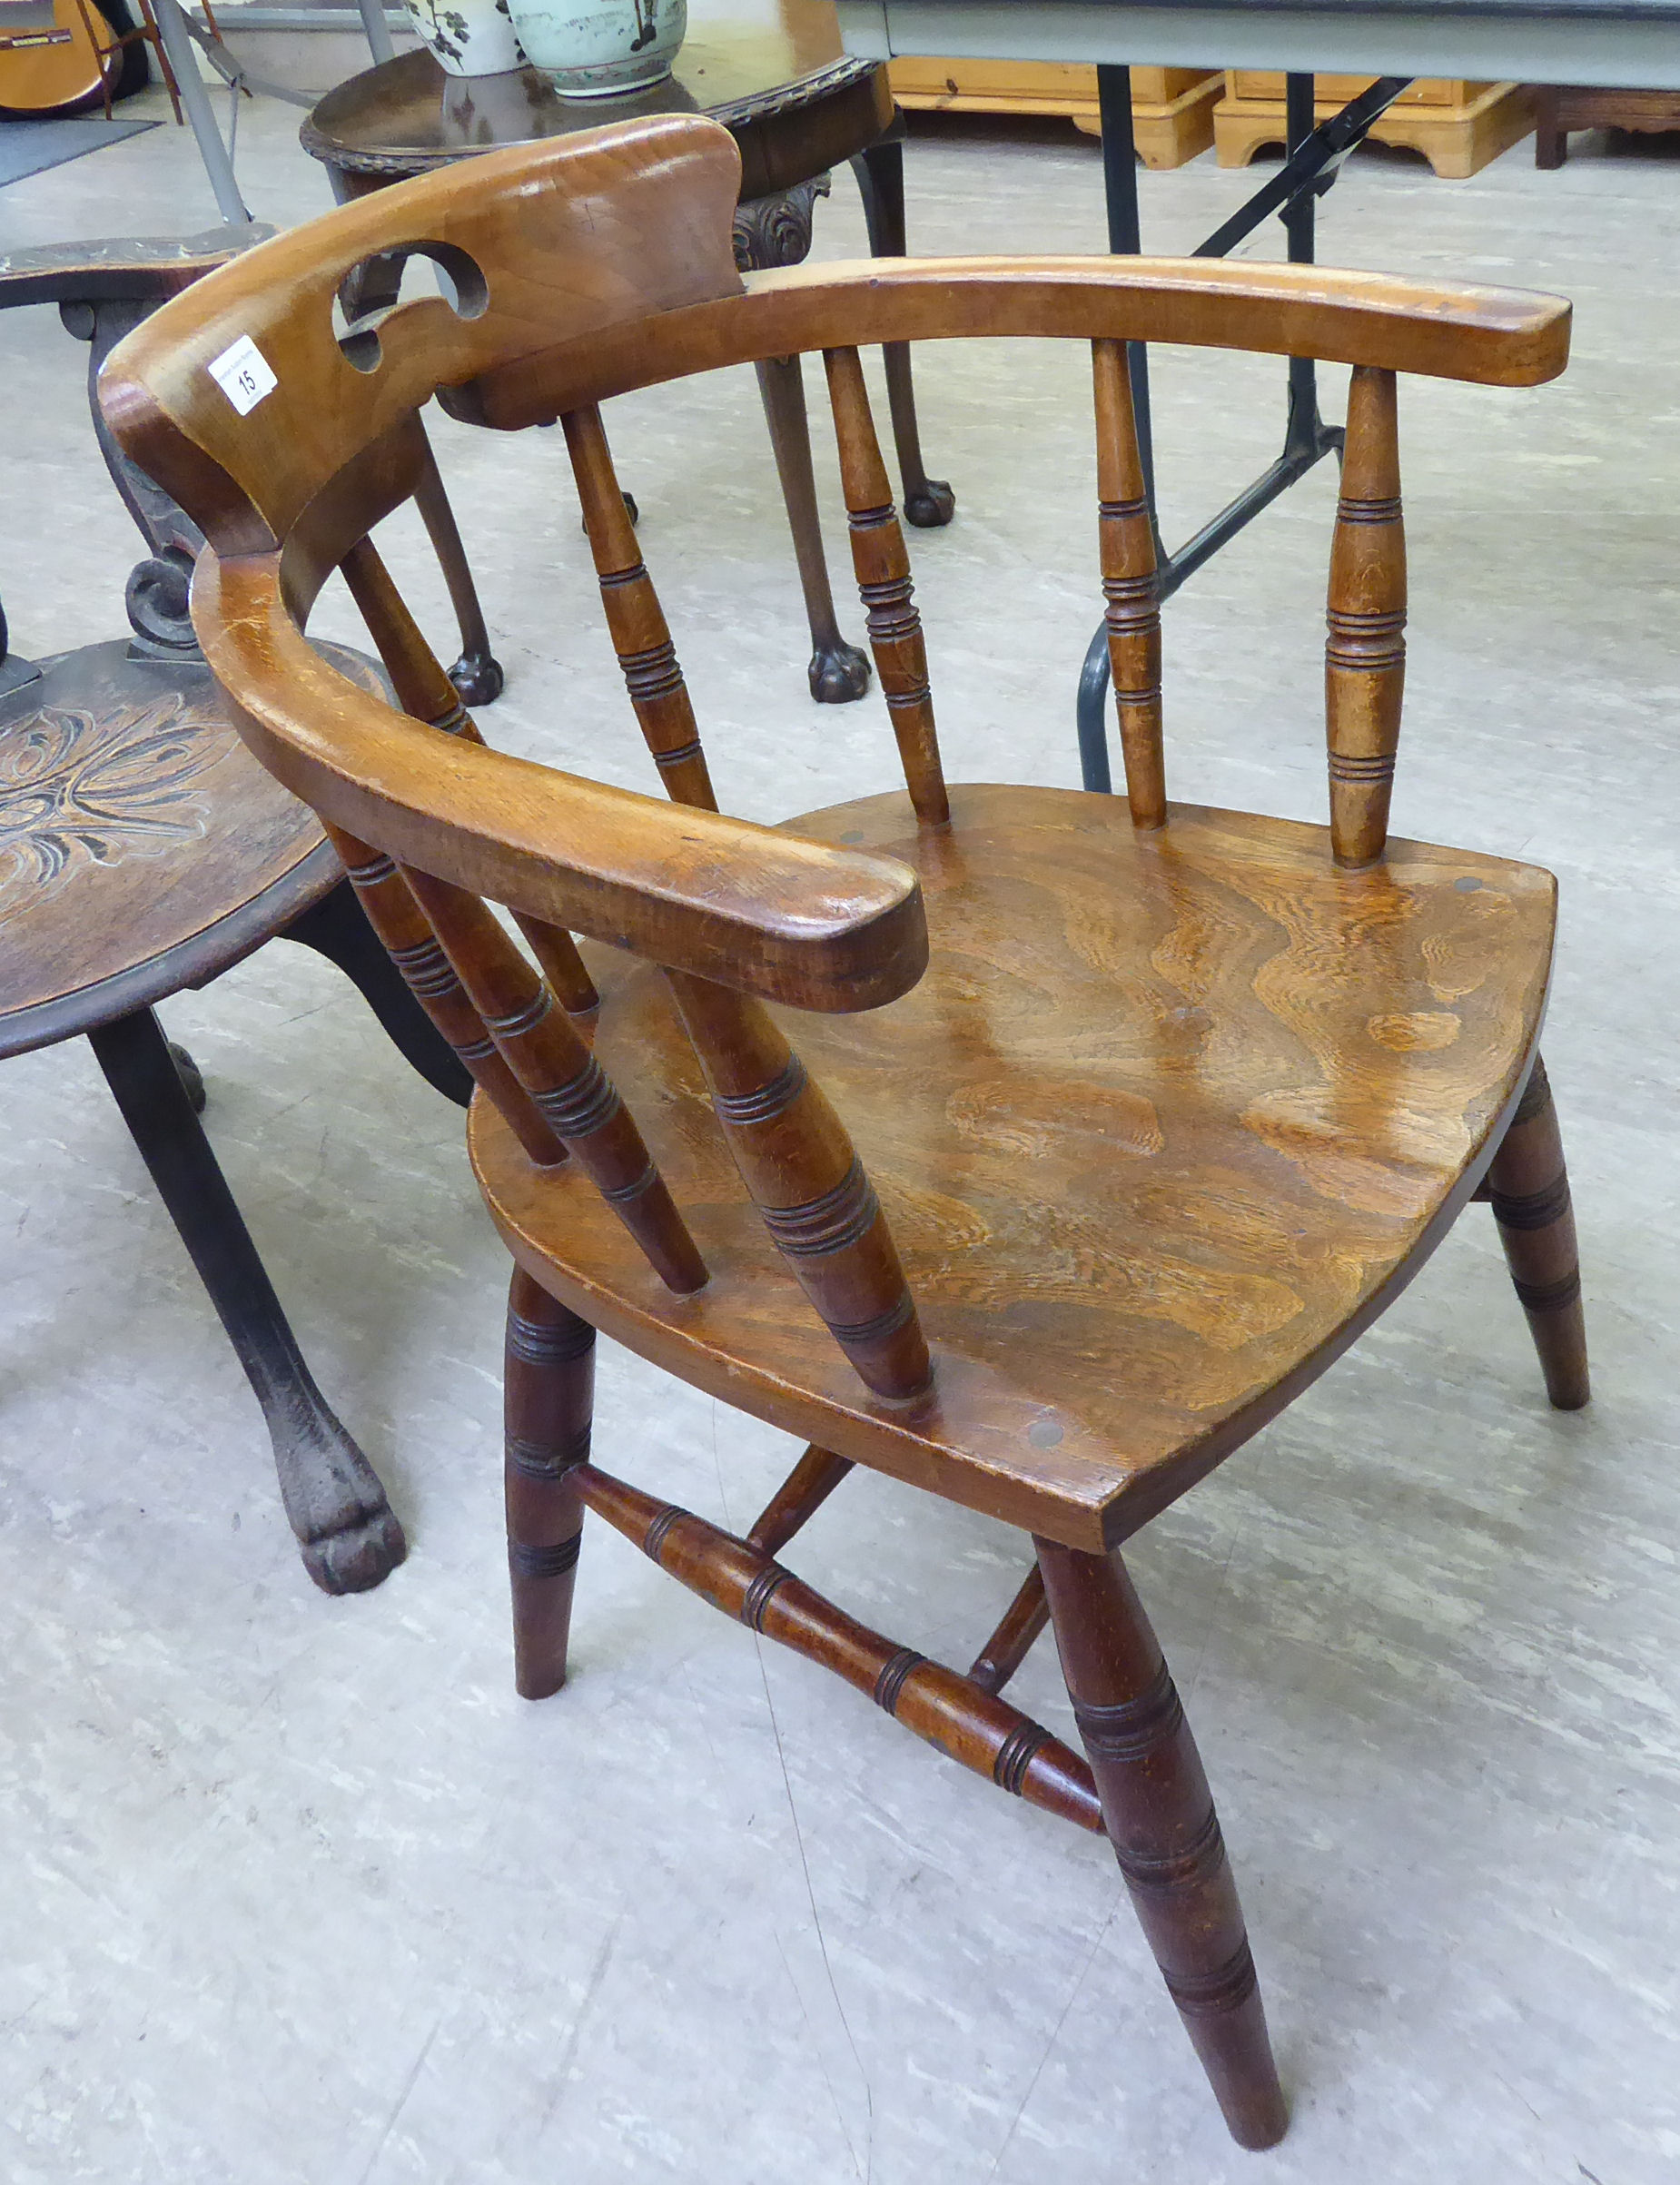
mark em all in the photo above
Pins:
pixel 178 44
pixel 1305 433
pixel 184 39
pixel 378 31
pixel 1313 156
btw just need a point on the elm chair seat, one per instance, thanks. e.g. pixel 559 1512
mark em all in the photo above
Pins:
pixel 1165 1158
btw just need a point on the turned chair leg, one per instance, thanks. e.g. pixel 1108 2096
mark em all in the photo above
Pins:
pixel 337 928
pixel 929 502
pixel 1166 1835
pixel 332 1497
pixel 548 1398
pixel 1528 1189
pixel 839 672
pixel 478 674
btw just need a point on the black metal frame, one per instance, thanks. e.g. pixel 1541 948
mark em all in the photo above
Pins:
pixel 1313 157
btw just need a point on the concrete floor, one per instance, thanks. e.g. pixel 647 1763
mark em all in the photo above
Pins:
pixel 296 1892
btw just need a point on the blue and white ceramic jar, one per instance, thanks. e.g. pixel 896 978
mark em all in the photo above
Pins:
pixel 601 49
pixel 467 37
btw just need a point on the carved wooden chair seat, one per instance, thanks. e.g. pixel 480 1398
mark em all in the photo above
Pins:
pixel 1148 1108
pixel 142 851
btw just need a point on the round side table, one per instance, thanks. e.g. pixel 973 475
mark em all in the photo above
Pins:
pixel 795 108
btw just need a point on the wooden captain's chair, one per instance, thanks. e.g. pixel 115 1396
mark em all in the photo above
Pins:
pixel 1034 1147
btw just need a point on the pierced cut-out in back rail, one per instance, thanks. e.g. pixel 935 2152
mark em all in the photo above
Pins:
pixel 376 289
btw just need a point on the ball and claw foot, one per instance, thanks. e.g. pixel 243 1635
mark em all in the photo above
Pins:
pixel 931 505
pixel 838 674
pixel 359 1558
pixel 477 677
pixel 192 1077
pixel 346 1531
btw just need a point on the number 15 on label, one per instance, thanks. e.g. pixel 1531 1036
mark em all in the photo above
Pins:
pixel 244 375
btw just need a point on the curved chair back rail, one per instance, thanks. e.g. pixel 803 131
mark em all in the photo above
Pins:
pixel 628 229
pixel 510 368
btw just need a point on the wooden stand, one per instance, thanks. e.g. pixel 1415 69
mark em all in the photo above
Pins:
pixel 1458 126
pixel 1561 107
pixel 1171 108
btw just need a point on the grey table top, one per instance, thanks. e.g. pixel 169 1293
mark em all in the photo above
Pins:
pixel 1631 43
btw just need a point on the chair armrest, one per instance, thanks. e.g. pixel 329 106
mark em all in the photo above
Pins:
pixel 125 269
pixel 751 907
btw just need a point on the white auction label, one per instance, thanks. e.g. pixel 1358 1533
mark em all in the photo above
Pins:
pixel 244 375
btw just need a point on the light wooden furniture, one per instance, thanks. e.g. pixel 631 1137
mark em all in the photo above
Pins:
pixel 50 67
pixel 93 53
pixel 1458 126
pixel 1171 108
pixel 1033 1147
pixel 1562 107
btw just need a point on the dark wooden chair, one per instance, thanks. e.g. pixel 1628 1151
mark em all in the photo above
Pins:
pixel 1149 1108
pixel 1561 108
pixel 143 850
pixel 796 107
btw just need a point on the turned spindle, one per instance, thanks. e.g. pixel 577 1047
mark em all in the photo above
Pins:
pixel 548 1398
pixel 1365 656
pixel 425 692
pixel 1528 1189
pixel 948 1710
pixel 1131 589
pixel 408 940
pixel 804 1174
pixel 1164 1831
pixel 882 564
pixel 572 1092
pixel 641 636
pixel 1012 1641
pixel 798 1498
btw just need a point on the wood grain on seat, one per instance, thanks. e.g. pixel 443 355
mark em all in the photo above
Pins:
pixel 1162 1120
